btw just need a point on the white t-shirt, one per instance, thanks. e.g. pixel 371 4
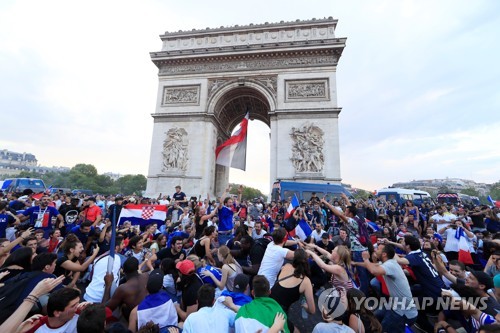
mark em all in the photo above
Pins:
pixel 316 235
pixel 257 236
pixel 332 327
pixel 218 318
pixel 272 262
pixel 68 327
pixel 448 217
pixel 452 242
pixel 95 290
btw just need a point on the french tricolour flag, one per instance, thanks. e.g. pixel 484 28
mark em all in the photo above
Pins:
pixel 143 214
pixel 463 247
pixel 158 308
pixel 494 203
pixel 233 152
pixel 292 206
pixel 302 230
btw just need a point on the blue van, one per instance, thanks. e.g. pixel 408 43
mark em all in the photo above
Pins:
pixel 20 184
pixel 401 195
pixel 285 190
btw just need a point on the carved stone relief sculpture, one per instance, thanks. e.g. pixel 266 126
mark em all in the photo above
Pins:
pixel 307 90
pixel 181 95
pixel 175 150
pixel 307 148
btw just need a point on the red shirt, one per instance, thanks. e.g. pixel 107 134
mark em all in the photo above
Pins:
pixel 91 213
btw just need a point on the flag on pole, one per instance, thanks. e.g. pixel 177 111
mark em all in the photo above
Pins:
pixel 112 245
pixel 233 152
pixel 143 215
pixel 302 230
pixel 463 247
pixel 292 206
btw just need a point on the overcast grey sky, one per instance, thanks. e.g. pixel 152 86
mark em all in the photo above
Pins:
pixel 419 83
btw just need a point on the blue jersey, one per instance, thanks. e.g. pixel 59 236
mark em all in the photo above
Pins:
pixel 225 219
pixel 5 219
pixel 41 218
pixel 426 274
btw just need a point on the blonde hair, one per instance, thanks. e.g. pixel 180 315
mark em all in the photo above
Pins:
pixel 344 255
pixel 196 260
pixel 225 253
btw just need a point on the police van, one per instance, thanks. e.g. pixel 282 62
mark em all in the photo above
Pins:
pixel 401 195
pixel 283 190
pixel 20 184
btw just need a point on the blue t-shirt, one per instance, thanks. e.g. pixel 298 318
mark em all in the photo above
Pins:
pixel 426 274
pixel 5 219
pixel 81 236
pixel 181 234
pixel 225 219
pixel 41 218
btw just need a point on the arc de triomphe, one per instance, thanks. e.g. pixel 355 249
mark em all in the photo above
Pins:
pixel 284 73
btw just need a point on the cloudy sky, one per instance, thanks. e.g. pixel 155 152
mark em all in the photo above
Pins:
pixel 419 83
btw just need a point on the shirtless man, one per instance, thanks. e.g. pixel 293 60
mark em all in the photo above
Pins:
pixel 129 294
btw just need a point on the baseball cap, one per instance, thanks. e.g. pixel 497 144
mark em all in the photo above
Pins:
pixel 483 278
pixel 155 281
pixel 241 283
pixel 186 267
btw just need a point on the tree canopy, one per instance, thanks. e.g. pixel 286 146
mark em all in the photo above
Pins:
pixel 249 193
pixel 85 176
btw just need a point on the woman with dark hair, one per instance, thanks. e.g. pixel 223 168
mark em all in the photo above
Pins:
pixel 358 315
pixel 201 220
pixel 292 282
pixel 68 265
pixel 389 234
pixel 159 243
pixel 19 261
pixel 202 248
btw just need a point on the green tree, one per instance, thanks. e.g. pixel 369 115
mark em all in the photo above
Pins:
pixel 130 184
pixel 470 191
pixel 249 193
pixel 495 191
pixel 444 189
pixel 85 169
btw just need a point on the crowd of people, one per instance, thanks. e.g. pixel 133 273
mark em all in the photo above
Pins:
pixel 235 265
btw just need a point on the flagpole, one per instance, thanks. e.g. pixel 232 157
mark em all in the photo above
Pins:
pixel 111 258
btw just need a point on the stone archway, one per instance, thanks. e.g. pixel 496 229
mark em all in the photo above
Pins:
pixel 230 104
pixel 283 72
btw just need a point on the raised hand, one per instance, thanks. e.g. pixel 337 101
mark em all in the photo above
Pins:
pixel 29 323
pixel 46 285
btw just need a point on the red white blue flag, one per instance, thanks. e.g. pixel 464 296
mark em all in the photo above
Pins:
pixel 463 247
pixel 143 214
pixel 292 206
pixel 233 152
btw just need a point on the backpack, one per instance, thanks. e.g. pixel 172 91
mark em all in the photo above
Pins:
pixel 12 291
pixel 364 237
